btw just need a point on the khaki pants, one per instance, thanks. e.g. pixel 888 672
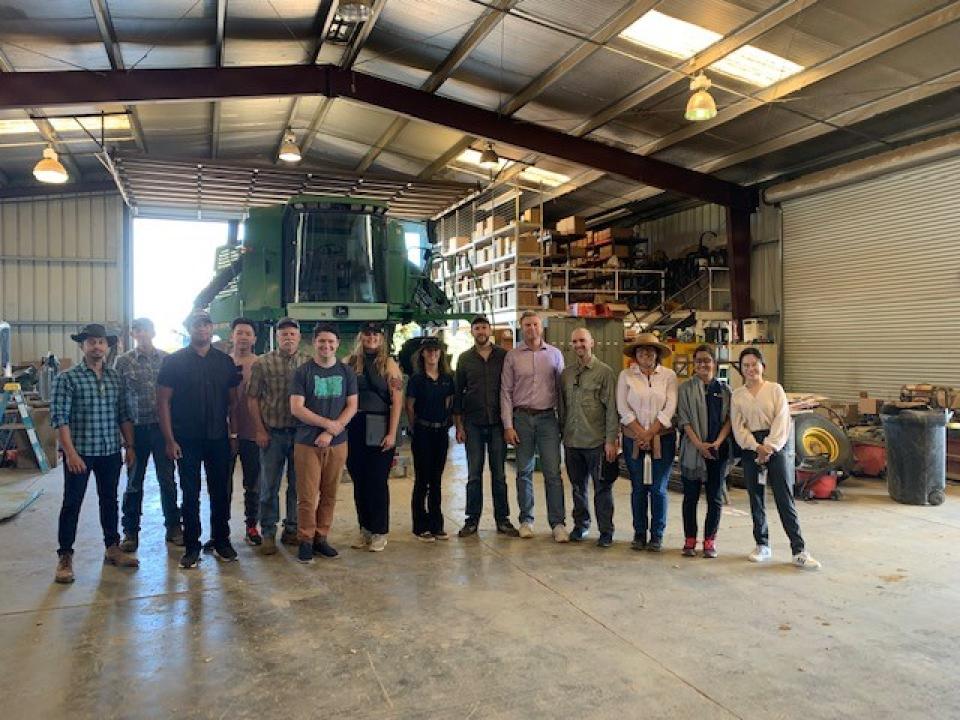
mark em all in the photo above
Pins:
pixel 318 474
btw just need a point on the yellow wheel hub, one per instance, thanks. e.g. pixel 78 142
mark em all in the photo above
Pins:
pixel 818 442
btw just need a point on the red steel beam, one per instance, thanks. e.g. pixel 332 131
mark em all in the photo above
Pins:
pixel 52 89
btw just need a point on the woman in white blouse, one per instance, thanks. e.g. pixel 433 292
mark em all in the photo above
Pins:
pixel 762 425
pixel 646 401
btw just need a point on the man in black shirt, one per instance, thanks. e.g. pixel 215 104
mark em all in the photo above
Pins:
pixel 476 412
pixel 196 390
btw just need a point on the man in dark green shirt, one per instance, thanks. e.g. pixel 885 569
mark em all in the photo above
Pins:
pixel 590 424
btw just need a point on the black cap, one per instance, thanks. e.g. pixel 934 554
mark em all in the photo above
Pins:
pixel 142 323
pixel 430 342
pixel 287 322
pixel 198 316
pixel 326 328
pixel 94 330
pixel 479 319
pixel 371 327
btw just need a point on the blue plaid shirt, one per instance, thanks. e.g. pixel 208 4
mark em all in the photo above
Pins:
pixel 93 407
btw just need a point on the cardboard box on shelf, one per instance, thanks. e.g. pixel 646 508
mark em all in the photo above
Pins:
pixel 600 236
pixel 526 274
pixel 527 299
pixel 616 310
pixel 603 298
pixel 531 215
pixel 576 251
pixel 528 245
pixel 573 225
pixel 478 230
pixel 608 251
pixel 493 223
pixel 867 405
pixel 558 303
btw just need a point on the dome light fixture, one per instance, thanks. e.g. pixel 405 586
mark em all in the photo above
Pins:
pixel 289 150
pixel 489 158
pixel 355 11
pixel 701 105
pixel 50 169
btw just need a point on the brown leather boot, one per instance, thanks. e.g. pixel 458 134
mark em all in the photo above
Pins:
pixel 115 556
pixel 64 569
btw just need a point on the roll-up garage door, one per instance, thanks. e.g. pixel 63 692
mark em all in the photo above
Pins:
pixel 871 285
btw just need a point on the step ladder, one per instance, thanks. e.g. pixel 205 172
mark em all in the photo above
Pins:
pixel 12 391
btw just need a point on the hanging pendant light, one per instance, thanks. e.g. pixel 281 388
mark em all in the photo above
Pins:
pixel 701 105
pixel 355 11
pixel 289 150
pixel 50 169
pixel 489 158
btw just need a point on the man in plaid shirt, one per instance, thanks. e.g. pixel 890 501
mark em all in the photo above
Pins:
pixel 90 411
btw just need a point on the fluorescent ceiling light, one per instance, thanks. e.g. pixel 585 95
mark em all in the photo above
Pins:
pixel 26 126
pixel 472 157
pixel 545 177
pixel 682 39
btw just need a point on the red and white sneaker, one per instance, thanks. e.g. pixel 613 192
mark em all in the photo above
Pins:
pixel 690 547
pixel 709 547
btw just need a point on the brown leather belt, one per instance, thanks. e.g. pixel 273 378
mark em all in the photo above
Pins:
pixel 533 411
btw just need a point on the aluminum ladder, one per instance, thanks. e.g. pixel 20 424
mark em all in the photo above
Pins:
pixel 13 391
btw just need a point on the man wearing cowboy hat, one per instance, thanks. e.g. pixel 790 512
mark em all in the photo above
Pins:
pixel 90 411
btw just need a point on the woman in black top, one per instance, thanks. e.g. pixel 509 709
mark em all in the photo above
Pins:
pixel 372 435
pixel 429 400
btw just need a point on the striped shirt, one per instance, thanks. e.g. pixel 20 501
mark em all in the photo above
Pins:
pixel 139 371
pixel 92 407
pixel 270 383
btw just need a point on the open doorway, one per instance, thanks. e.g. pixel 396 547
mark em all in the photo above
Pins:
pixel 172 262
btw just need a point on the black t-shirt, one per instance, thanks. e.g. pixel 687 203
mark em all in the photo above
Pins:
pixel 325 392
pixel 430 397
pixel 201 392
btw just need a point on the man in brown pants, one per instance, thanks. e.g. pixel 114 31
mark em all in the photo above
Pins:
pixel 323 399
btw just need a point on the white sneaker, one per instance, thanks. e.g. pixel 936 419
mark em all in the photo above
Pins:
pixel 560 534
pixel 361 541
pixel 762 553
pixel 426 537
pixel 805 561
pixel 526 530
pixel 378 543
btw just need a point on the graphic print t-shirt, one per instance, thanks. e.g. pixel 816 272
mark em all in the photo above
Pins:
pixel 325 392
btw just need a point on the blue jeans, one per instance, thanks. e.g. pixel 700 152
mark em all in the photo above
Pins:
pixel 272 459
pixel 487 439
pixel 656 494
pixel 147 441
pixel 539 435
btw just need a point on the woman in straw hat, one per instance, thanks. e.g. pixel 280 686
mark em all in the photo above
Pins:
pixel 646 401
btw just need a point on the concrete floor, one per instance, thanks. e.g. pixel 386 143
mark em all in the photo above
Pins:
pixel 492 627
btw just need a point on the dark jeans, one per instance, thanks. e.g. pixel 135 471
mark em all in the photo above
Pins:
pixel 780 478
pixel 369 468
pixel 654 495
pixel 147 441
pixel 714 492
pixel 582 465
pixel 249 454
pixel 106 470
pixel 429 448
pixel 215 457
pixel 486 439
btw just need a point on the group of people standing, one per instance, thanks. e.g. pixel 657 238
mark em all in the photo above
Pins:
pixel 308 416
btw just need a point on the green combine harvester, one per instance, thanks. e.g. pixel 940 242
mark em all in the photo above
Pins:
pixel 323 259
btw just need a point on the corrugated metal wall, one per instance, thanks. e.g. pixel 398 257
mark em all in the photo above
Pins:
pixel 871 288
pixel 61 265
pixel 678 232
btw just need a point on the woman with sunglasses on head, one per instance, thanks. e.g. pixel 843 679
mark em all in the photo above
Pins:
pixel 372 434
pixel 703 418
pixel 760 416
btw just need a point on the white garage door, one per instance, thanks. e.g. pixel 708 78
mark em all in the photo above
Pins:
pixel 871 285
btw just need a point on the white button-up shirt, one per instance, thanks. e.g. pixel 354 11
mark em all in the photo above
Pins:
pixel 646 398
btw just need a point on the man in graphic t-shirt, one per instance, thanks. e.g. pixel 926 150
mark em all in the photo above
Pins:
pixel 323 399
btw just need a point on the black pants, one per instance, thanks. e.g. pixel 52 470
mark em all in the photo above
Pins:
pixel 106 470
pixel 369 467
pixel 214 455
pixel 582 465
pixel 714 492
pixel 429 447
pixel 249 453
pixel 780 478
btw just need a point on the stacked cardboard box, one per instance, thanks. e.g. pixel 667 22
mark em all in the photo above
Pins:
pixel 573 225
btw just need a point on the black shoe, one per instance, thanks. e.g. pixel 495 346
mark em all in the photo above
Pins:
pixel 253 537
pixel 305 553
pixel 208 546
pixel 578 533
pixel 655 544
pixel 506 527
pixel 175 536
pixel 322 547
pixel 190 559
pixel 605 540
pixel 224 551
pixel 289 537
pixel 639 542
pixel 470 528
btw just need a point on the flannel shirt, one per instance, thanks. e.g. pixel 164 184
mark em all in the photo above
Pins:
pixel 93 407
pixel 139 371
pixel 270 383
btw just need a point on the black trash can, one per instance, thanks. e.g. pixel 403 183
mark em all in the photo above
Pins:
pixel 916 454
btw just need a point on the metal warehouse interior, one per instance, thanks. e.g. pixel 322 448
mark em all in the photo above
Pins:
pixel 551 157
